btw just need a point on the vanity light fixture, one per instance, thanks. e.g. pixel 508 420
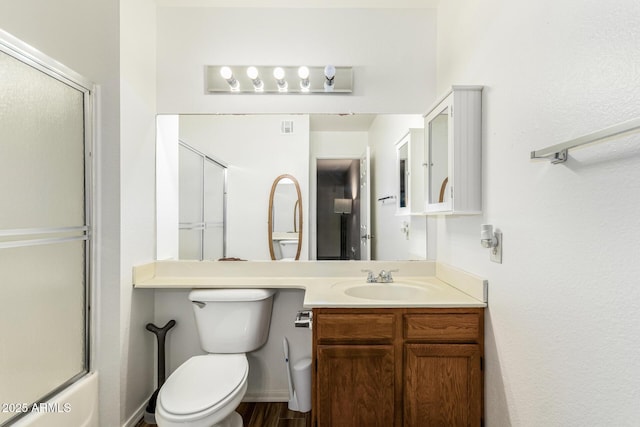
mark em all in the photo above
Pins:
pixel 493 241
pixel 303 73
pixel 329 76
pixel 278 74
pixel 254 76
pixel 256 79
pixel 227 74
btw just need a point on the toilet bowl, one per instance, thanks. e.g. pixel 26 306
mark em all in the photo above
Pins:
pixel 204 392
pixel 206 389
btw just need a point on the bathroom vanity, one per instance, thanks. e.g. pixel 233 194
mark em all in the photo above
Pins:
pixel 387 367
pixel 403 353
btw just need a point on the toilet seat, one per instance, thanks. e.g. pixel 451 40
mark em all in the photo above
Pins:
pixel 202 386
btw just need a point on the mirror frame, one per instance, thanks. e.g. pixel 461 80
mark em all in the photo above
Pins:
pixel 270 222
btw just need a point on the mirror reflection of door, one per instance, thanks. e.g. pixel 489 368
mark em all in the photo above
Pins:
pixel 338 217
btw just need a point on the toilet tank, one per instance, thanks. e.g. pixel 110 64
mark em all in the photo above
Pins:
pixel 288 248
pixel 232 320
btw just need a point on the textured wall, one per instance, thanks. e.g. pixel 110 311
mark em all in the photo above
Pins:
pixel 563 324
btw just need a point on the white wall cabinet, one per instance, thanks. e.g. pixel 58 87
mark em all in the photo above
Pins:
pixel 453 153
pixel 410 173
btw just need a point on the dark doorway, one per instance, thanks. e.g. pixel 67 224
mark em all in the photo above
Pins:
pixel 338 209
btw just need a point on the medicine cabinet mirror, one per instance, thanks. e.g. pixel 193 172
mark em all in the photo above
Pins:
pixel 453 150
pixel 285 219
pixel 438 159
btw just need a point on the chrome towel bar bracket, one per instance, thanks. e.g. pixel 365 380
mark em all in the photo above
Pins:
pixel 559 153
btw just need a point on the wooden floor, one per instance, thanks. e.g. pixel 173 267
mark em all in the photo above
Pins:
pixel 272 414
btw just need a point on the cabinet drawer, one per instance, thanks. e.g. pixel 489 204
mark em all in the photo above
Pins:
pixel 443 327
pixel 354 328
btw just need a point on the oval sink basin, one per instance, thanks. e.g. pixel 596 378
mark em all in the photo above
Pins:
pixel 387 291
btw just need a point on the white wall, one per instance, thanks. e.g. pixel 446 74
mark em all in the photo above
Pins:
pixel 167 186
pixel 563 327
pixel 389 243
pixel 70 33
pixel 256 153
pixel 137 228
pixel 386 48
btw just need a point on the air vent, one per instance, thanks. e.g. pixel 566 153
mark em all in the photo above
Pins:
pixel 286 126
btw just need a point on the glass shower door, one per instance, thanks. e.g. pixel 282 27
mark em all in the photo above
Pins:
pixel 44 233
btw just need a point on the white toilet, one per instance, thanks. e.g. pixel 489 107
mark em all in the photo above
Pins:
pixel 205 390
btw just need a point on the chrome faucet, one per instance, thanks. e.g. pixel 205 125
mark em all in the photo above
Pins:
pixel 383 277
pixel 370 277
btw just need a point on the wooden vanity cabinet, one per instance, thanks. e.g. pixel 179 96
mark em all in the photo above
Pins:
pixel 410 367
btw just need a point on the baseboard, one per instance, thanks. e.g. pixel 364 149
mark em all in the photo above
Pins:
pixel 267 396
pixel 137 416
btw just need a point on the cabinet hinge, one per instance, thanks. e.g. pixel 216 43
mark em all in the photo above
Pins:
pixel 482 363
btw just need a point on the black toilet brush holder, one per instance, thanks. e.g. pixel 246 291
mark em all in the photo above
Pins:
pixel 160 333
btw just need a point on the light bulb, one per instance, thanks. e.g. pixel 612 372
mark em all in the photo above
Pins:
pixel 278 73
pixel 252 73
pixel 303 72
pixel 330 72
pixel 226 73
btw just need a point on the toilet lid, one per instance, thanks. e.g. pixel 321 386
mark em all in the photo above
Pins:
pixel 202 382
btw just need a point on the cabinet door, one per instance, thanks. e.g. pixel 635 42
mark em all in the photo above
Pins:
pixel 443 385
pixel 355 386
pixel 438 128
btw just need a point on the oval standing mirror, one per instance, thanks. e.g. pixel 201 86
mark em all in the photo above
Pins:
pixel 285 219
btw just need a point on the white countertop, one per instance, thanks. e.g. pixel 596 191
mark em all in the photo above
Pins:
pixel 324 283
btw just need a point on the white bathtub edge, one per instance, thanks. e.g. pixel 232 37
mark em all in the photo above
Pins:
pixel 77 405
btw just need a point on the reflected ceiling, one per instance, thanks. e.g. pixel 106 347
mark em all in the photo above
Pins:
pixel 340 122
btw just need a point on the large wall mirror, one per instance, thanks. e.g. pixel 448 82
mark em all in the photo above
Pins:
pixel 258 148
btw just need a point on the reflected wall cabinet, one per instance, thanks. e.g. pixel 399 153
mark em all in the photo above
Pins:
pixel 453 153
pixel 409 173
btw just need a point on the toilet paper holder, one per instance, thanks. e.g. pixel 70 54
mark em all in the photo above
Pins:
pixel 304 319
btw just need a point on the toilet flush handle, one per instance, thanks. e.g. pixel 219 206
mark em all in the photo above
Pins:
pixel 199 303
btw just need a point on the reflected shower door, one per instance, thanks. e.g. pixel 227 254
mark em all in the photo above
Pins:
pixel 202 188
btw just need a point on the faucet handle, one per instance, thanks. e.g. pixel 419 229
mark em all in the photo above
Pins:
pixel 385 275
pixel 370 277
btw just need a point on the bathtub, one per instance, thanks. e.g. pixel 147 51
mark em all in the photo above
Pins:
pixel 76 406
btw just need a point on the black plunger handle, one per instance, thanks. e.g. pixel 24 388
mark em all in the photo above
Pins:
pixel 161 334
